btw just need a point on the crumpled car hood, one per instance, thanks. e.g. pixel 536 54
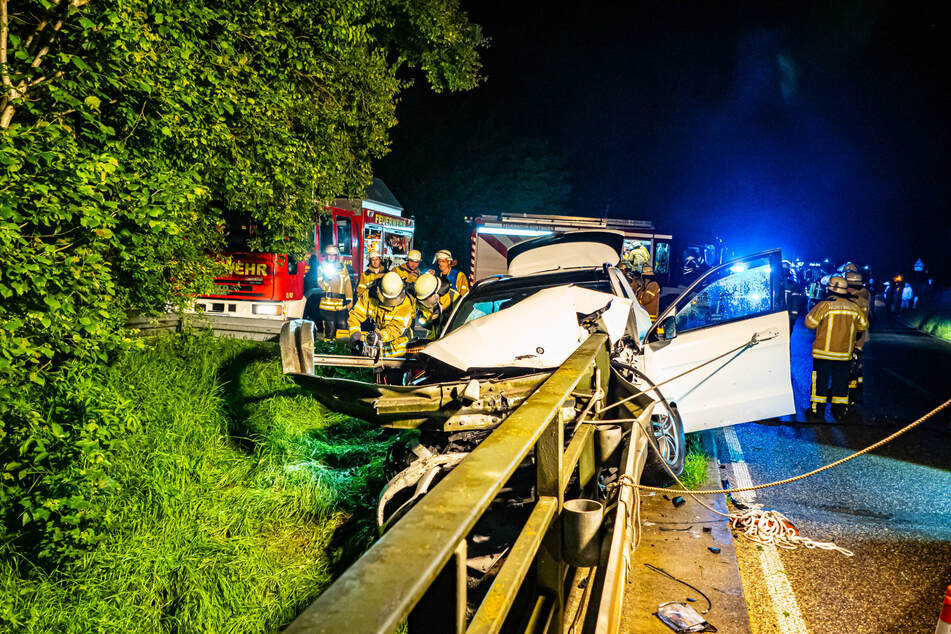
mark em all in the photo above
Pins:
pixel 541 331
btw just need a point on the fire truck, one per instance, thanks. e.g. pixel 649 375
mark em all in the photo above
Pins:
pixel 676 261
pixel 268 288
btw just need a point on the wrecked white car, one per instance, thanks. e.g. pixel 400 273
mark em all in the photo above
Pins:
pixel 510 332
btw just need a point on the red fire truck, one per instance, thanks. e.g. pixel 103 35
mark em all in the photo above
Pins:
pixel 270 286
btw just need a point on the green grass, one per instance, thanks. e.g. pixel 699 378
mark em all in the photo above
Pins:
pixel 695 464
pixel 237 499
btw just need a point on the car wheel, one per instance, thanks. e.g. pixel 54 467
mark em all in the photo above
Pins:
pixel 669 438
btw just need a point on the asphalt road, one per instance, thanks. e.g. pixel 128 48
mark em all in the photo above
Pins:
pixel 892 508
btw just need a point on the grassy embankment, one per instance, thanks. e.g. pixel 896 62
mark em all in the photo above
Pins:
pixel 234 501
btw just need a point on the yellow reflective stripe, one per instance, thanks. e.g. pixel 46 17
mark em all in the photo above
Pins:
pixel 840 400
pixel 860 380
pixel 853 385
pixel 814 376
pixel 831 356
pixel 818 399
pixel 829 332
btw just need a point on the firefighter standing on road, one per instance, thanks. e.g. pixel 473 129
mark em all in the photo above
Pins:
pixel 409 270
pixel 446 270
pixel 435 300
pixel 863 299
pixel 647 291
pixel 334 281
pixel 391 312
pixel 372 273
pixel 837 321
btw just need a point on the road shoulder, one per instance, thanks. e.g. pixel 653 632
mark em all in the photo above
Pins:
pixel 676 539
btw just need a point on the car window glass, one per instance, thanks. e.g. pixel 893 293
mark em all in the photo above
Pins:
pixel 326 232
pixel 662 258
pixel 742 290
pixel 343 235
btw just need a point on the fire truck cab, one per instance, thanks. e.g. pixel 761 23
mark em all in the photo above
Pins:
pixel 357 227
pixel 262 290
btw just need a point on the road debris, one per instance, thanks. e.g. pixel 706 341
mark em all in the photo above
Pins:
pixel 681 617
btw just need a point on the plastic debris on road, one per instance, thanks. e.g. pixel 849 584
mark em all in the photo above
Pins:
pixel 681 617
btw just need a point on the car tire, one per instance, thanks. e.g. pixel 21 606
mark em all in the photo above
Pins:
pixel 669 438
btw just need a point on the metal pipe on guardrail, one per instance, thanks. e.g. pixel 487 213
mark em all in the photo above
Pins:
pixel 380 590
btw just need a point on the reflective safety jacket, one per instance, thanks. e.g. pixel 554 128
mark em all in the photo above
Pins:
pixel 457 281
pixel 369 276
pixel 863 299
pixel 409 277
pixel 648 296
pixel 433 319
pixel 837 321
pixel 337 290
pixel 394 324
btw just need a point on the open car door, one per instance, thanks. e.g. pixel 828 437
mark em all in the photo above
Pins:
pixel 735 303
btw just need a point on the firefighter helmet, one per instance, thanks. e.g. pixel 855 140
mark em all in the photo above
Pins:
pixel 838 285
pixel 854 278
pixel 331 250
pixel 442 254
pixel 391 288
pixel 647 270
pixel 426 286
pixel 374 253
pixel 849 266
pixel 414 256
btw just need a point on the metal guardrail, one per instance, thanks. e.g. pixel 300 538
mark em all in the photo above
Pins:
pixel 416 572
pixel 221 326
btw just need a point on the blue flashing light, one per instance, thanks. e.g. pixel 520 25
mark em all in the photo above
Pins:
pixel 738 268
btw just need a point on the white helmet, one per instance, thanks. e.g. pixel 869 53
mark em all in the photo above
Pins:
pixel 374 253
pixel 331 250
pixel 414 256
pixel 426 286
pixel 443 254
pixel 838 285
pixel 391 288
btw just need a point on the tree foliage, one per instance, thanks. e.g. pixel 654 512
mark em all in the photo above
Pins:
pixel 128 127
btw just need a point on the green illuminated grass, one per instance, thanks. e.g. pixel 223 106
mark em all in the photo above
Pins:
pixel 238 499
pixel 695 465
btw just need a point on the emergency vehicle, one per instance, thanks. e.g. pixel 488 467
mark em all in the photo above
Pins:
pixel 676 261
pixel 270 286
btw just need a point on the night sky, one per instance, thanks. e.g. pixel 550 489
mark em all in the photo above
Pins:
pixel 819 131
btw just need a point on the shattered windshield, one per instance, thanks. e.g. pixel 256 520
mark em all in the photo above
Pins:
pixel 475 305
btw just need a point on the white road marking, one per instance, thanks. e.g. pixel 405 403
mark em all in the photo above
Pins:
pixel 785 607
pixel 906 381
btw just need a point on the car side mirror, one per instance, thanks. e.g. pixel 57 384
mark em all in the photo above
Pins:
pixel 668 328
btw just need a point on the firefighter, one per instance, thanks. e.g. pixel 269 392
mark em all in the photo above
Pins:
pixel 837 321
pixel 863 299
pixel 435 300
pixel 647 291
pixel 409 270
pixel 372 273
pixel 446 270
pixel 334 281
pixel 387 306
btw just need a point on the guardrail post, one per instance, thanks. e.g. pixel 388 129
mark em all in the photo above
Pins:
pixel 443 607
pixel 549 463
